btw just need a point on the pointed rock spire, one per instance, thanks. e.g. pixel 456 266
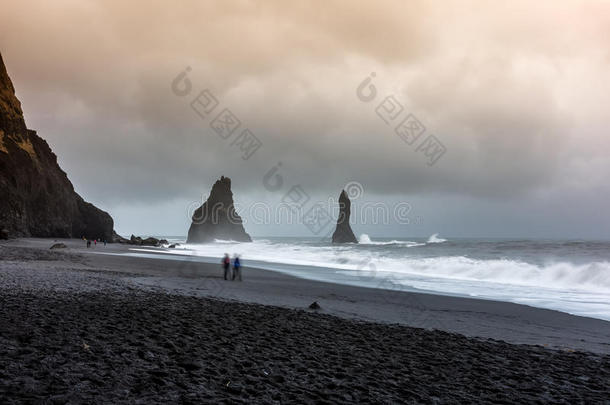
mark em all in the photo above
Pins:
pixel 216 218
pixel 343 233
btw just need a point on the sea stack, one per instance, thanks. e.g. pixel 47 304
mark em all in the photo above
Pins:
pixel 36 197
pixel 344 233
pixel 216 218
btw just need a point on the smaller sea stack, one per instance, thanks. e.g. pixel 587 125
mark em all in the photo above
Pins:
pixel 344 233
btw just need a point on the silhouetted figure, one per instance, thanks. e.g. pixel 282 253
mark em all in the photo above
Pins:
pixel 226 265
pixel 88 243
pixel 104 242
pixel 236 268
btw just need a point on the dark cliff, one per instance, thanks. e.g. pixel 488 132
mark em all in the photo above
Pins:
pixel 36 197
pixel 216 218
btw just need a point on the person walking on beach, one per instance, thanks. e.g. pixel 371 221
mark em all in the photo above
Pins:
pixel 88 243
pixel 226 264
pixel 236 268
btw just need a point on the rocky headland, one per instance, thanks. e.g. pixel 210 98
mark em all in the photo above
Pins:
pixel 36 196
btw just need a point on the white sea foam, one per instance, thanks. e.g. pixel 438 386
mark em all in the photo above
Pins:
pixel 224 241
pixel 435 239
pixel 364 239
pixel 576 288
pixel 593 276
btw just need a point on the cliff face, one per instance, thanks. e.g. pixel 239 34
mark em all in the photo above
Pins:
pixel 36 197
pixel 343 233
pixel 216 218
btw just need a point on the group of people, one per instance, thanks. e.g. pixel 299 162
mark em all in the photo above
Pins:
pixel 89 241
pixel 226 264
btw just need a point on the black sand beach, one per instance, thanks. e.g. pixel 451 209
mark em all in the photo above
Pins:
pixel 78 327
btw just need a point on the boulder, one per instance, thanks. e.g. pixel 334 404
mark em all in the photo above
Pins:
pixel 343 233
pixel 314 305
pixel 4 233
pixel 36 196
pixel 139 241
pixel 150 242
pixel 58 246
pixel 216 218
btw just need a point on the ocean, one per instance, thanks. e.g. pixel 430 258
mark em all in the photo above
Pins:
pixel 571 276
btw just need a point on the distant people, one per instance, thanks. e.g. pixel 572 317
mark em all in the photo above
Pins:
pixel 88 243
pixel 94 242
pixel 104 242
pixel 236 268
pixel 226 265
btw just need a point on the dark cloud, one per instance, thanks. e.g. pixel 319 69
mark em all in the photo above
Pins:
pixel 516 93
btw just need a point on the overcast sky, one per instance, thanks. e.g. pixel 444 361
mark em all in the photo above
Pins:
pixel 517 93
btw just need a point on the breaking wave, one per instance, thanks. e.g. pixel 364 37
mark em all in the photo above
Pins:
pixel 576 287
pixel 435 239
pixel 364 239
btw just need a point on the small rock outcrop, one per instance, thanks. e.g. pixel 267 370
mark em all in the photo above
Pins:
pixel 138 241
pixel 58 246
pixel 216 218
pixel 343 233
pixel 36 197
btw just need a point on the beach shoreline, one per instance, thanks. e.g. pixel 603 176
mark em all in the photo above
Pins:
pixel 83 327
pixel 472 317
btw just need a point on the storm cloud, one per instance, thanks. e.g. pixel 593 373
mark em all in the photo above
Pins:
pixel 517 94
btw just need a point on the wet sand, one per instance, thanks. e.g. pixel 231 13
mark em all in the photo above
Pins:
pixel 78 326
